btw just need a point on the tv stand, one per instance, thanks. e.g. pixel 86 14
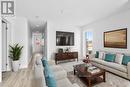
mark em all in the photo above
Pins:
pixel 66 56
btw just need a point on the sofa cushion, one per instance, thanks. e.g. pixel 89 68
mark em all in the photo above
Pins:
pixel 64 83
pixel 110 57
pixel 39 75
pixel 110 64
pixel 60 74
pixel 119 58
pixel 102 62
pixel 97 54
pixel 116 66
pixel 56 68
pixel 125 60
pixel 58 71
pixel 38 69
pixel 38 61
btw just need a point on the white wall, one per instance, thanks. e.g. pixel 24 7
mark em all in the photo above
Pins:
pixel 0 50
pixel 118 21
pixel 45 40
pixel 51 39
pixel 20 35
pixel 29 43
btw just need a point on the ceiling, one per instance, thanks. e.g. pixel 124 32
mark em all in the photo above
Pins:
pixel 69 12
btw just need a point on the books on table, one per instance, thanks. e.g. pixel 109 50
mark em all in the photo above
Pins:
pixel 93 69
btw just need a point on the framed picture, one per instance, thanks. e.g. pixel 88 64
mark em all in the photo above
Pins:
pixel 116 38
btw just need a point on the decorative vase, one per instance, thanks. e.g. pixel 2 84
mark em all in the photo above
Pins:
pixel 15 65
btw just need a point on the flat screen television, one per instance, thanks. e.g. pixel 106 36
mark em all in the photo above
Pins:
pixel 116 38
pixel 64 38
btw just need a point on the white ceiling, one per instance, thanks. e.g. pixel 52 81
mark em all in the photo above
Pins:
pixel 37 24
pixel 77 12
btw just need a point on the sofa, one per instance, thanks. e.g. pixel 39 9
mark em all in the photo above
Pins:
pixel 119 68
pixel 60 75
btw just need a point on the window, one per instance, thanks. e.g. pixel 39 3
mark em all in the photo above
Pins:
pixel 89 38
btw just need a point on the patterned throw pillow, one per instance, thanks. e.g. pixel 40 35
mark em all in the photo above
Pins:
pixel 101 55
pixel 119 58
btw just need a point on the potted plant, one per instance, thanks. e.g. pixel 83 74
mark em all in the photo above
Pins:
pixel 15 53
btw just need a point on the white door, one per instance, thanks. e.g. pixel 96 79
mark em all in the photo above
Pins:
pixel 4 46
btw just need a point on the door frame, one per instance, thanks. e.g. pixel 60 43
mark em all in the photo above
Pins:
pixel 8 38
pixel 84 50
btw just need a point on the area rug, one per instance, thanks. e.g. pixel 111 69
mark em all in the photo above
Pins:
pixel 111 81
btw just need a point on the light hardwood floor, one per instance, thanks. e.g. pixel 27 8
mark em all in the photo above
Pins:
pixel 22 78
pixel 25 77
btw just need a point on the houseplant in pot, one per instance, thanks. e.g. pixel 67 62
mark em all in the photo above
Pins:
pixel 15 54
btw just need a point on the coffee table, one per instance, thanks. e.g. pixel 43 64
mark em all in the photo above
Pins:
pixel 88 78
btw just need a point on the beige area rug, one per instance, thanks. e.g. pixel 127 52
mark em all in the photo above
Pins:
pixel 111 81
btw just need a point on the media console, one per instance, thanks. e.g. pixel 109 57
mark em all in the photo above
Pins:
pixel 66 56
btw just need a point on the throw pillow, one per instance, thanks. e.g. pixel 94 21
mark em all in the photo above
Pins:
pixel 119 58
pixel 125 60
pixel 97 54
pixel 44 62
pixel 48 72
pixel 101 55
pixel 51 82
pixel 110 57
pixel 49 77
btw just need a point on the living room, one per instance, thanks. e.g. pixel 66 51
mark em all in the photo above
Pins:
pixel 72 19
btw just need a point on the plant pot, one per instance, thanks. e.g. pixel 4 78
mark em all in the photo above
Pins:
pixel 15 65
